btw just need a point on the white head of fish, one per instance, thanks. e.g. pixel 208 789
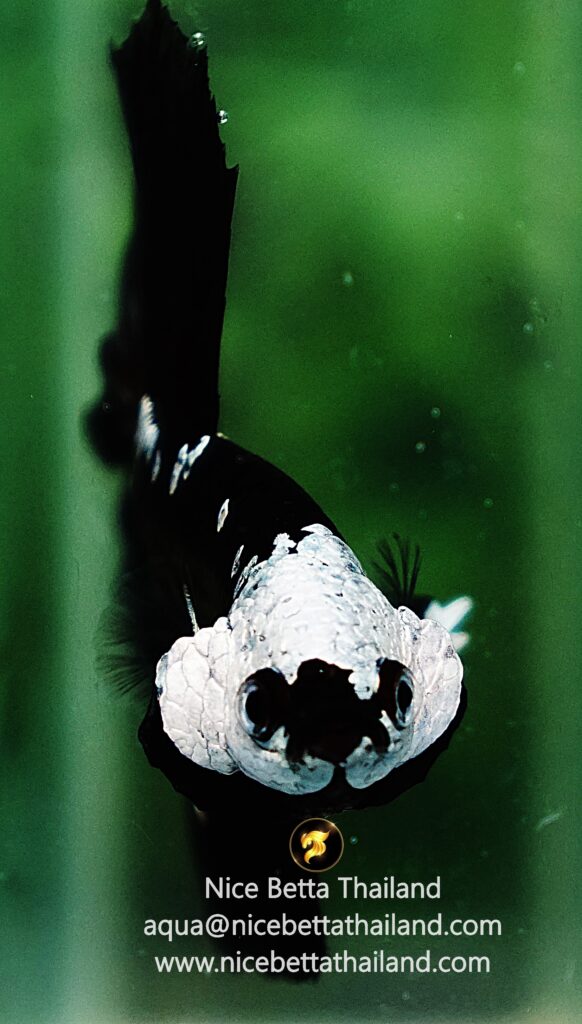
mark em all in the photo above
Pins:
pixel 309 601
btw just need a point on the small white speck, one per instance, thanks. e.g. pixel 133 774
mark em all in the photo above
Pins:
pixel 420 447
pixel 186 459
pixel 528 328
pixel 435 412
pixel 191 611
pixel 223 512
pixel 196 452
pixel 197 41
pixel 222 117
pixel 236 562
pixel 147 432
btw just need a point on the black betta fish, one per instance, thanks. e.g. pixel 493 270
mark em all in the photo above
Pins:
pixel 278 673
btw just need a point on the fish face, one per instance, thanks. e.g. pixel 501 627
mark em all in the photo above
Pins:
pixel 312 672
pixel 322 717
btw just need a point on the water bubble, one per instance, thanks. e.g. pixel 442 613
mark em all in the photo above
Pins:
pixel 528 328
pixel 347 278
pixel 519 69
pixel 459 216
pixel 222 116
pixel 197 41
pixel 488 503
pixel 548 364
pixel 420 447
pixel 353 840
pixel 435 412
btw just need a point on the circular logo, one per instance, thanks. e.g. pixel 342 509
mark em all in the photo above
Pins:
pixel 316 844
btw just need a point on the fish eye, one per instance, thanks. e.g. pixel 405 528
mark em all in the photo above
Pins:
pixel 396 691
pixel 403 694
pixel 261 704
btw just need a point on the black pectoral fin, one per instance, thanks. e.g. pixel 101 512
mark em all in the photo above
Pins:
pixel 398 570
pixel 146 614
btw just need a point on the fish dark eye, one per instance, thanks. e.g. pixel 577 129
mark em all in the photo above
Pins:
pixel 261 704
pixel 396 691
pixel 256 707
pixel 403 694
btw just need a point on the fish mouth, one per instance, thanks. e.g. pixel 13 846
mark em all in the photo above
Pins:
pixel 335 744
pixel 326 717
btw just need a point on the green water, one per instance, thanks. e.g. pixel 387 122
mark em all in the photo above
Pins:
pixel 402 336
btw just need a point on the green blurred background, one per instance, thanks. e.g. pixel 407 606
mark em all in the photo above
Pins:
pixel 402 336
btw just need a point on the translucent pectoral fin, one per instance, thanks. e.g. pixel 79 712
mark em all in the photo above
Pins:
pixel 452 616
pixel 190 686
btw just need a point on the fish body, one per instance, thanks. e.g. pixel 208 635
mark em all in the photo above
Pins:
pixel 277 669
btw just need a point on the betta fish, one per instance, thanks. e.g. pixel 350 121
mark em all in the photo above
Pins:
pixel 275 672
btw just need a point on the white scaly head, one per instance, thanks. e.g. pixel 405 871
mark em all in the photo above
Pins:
pixel 308 600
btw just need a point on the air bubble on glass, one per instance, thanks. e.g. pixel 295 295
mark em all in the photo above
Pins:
pixel 197 41
pixel 435 412
pixel 519 69
pixel 488 503
pixel 347 278
pixel 420 447
pixel 528 328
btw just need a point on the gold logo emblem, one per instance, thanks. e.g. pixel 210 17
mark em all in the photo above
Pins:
pixel 316 844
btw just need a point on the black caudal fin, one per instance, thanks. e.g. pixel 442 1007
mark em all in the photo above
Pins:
pixel 167 341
